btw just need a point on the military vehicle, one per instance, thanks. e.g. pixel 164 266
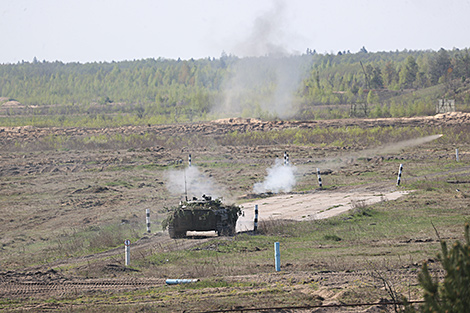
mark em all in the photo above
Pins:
pixel 203 214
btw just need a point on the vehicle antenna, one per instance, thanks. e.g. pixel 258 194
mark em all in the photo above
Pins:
pixel 185 189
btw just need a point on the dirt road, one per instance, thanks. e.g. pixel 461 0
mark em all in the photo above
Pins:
pixel 319 204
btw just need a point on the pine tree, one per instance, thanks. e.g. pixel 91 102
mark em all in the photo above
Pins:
pixel 408 72
pixel 453 295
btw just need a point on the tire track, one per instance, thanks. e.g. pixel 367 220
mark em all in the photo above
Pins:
pixel 22 285
pixel 26 289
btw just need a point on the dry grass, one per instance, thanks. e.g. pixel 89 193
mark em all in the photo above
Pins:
pixel 45 217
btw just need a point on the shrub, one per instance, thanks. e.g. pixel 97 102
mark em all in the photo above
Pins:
pixel 453 294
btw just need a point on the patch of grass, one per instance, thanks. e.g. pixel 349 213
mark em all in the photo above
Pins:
pixel 217 164
pixel 334 206
pixel 350 136
pixel 110 236
pixel 76 242
pixel 217 283
pixel 119 183
pixel 332 237
pixel 374 231
pixel 359 208
pixel 151 166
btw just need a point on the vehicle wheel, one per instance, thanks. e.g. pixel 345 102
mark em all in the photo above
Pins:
pixel 171 231
pixel 180 234
pixel 228 230
pixel 176 233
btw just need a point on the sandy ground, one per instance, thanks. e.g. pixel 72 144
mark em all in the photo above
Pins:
pixel 318 205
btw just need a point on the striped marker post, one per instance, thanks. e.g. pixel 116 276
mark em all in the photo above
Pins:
pixel 255 228
pixel 319 178
pixel 286 158
pixel 189 160
pixel 148 220
pixel 277 256
pixel 399 174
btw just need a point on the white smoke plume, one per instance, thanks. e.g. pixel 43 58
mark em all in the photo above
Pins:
pixel 397 146
pixel 263 83
pixel 191 182
pixel 390 148
pixel 280 178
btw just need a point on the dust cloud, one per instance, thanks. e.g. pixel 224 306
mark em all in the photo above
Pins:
pixel 193 183
pixel 262 83
pixel 280 178
pixel 267 37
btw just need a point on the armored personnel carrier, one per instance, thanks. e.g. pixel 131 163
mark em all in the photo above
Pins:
pixel 203 214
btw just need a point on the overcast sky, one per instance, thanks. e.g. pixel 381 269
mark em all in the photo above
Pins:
pixel 107 30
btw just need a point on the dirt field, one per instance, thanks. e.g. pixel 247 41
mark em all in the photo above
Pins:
pixel 49 194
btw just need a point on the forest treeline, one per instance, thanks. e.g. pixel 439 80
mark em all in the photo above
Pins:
pixel 380 84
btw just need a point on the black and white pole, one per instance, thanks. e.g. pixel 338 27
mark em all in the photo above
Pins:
pixel 148 220
pixel 255 228
pixel 127 252
pixel 285 158
pixel 319 178
pixel 457 154
pixel 399 174
pixel 189 160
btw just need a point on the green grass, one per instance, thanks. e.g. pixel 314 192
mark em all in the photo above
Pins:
pixel 170 298
pixel 76 242
pixel 387 232
pixel 377 235
pixel 333 207
pixel 119 183
pixel 361 236
pixel 349 136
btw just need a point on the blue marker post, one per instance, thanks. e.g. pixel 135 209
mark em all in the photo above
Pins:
pixel 180 281
pixel 277 256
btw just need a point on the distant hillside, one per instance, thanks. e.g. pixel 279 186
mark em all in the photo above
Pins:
pixel 308 86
